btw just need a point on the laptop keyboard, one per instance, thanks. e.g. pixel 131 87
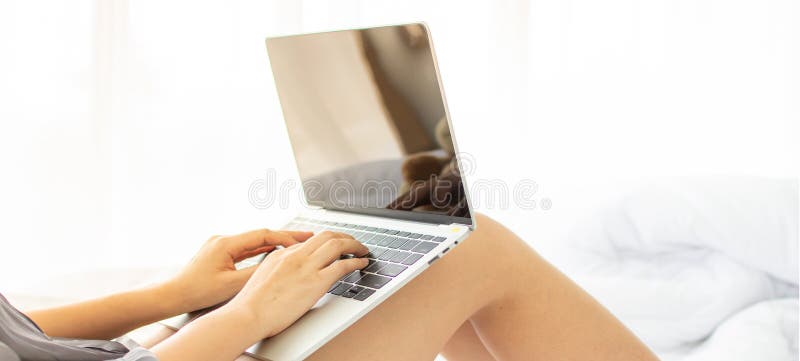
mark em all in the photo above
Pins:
pixel 390 253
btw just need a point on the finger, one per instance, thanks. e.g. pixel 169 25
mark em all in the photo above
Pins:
pixel 299 236
pixel 315 242
pixel 254 252
pixel 248 241
pixel 335 248
pixel 340 268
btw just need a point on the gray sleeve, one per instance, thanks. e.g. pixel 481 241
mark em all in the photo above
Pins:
pixel 138 354
pixel 7 354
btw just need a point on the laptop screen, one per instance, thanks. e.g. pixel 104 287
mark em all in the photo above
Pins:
pixel 368 124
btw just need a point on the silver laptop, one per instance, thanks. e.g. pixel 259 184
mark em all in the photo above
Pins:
pixel 371 134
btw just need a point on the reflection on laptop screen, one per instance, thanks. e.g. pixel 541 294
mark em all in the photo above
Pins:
pixel 366 120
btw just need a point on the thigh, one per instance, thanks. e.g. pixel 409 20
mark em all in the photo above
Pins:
pixel 466 345
pixel 417 321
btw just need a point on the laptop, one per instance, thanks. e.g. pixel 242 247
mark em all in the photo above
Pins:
pixel 372 138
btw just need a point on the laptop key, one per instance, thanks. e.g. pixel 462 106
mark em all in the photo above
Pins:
pixel 373 281
pixel 352 277
pixel 340 288
pixel 387 255
pixel 439 239
pixel 399 257
pixel 386 241
pixel 403 234
pixel 414 235
pixel 414 257
pixel 397 243
pixel 409 245
pixel 364 294
pixel 366 239
pixel 350 293
pixel 426 237
pixel 392 232
pixel 392 270
pixel 376 252
pixel 377 239
pixel 375 267
pixel 424 247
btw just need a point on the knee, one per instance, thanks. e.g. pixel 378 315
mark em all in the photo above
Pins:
pixel 487 229
pixel 490 253
pixel 481 220
pixel 491 237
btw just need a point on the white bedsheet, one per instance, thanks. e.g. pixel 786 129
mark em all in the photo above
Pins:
pixel 700 269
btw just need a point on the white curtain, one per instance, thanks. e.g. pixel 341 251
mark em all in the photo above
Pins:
pixel 132 130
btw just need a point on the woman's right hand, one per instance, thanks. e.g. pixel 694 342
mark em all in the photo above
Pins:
pixel 291 280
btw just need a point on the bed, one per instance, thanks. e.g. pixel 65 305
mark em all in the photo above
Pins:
pixel 699 268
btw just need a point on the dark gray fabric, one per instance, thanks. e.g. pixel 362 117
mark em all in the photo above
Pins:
pixel 21 339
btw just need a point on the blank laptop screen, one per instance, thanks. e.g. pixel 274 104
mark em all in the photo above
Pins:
pixel 368 124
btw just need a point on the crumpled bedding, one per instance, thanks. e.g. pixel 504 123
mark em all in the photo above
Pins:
pixel 700 269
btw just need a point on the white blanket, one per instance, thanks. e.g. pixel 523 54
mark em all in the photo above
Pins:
pixel 700 269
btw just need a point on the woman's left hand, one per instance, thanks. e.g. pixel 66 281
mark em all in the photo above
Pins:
pixel 211 277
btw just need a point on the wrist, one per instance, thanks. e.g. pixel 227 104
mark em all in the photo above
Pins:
pixel 246 317
pixel 171 298
pixel 222 334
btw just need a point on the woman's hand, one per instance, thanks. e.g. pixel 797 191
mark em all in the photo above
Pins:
pixel 291 280
pixel 211 277
pixel 284 287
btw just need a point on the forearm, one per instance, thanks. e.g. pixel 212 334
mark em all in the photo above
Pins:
pixel 110 316
pixel 220 335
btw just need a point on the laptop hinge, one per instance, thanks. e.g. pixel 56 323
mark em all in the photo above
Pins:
pixel 460 225
pixel 455 226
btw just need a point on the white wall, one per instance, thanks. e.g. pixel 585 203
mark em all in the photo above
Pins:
pixel 131 131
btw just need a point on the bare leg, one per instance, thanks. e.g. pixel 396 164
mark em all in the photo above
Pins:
pixel 465 345
pixel 160 334
pixel 520 306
